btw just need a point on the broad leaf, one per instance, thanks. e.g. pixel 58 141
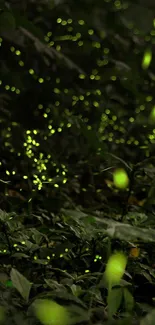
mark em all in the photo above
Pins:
pixel 149 319
pixel 19 282
pixel 114 301
pixel 128 300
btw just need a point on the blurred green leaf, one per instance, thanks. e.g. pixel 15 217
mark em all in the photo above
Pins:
pixel 149 319
pixel 128 300
pixel 114 300
pixel 19 282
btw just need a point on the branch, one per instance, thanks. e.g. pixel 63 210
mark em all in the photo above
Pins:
pixel 51 52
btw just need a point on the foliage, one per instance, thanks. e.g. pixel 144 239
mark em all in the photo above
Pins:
pixel 77 83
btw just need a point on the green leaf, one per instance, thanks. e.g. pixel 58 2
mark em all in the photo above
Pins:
pixel 149 319
pixel 76 290
pixel 54 284
pixel 40 261
pixel 78 314
pixel 19 282
pixel 114 301
pixel 128 300
pixel 74 213
pixel 143 308
pixel 19 255
pixel 65 296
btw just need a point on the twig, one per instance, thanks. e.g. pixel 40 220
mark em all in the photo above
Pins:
pixel 51 52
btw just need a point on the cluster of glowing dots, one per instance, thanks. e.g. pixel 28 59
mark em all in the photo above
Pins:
pixel 74 38
pixel 106 120
pixel 97 258
pixel 48 258
pixel 50 127
pixel 147 58
pixel 41 163
pixel 30 143
pixel 93 76
pixel 11 88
